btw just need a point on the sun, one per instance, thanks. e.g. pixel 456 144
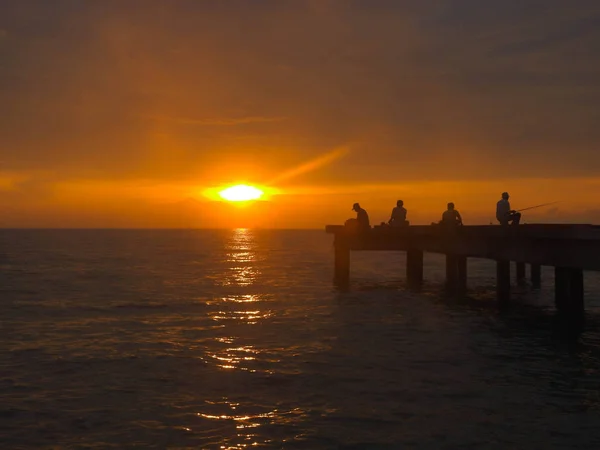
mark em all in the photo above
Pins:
pixel 241 193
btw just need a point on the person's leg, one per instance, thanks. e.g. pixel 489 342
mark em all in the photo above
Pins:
pixel 516 218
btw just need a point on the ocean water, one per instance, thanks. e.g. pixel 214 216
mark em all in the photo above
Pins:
pixel 239 339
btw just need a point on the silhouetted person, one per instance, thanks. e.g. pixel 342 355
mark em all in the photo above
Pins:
pixel 451 217
pixel 504 214
pixel 398 218
pixel 361 217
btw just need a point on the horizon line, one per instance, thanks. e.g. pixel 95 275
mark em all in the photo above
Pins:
pixel 155 228
pixel 248 228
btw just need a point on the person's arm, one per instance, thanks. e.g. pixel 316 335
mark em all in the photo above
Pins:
pixel 459 218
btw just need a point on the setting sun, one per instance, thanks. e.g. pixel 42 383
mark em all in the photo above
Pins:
pixel 241 193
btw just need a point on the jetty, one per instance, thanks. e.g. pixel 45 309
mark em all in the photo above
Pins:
pixel 570 249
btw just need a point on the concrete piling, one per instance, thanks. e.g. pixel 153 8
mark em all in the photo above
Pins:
pixel 536 275
pixel 503 281
pixel 461 263
pixel 414 266
pixel 568 291
pixel 451 271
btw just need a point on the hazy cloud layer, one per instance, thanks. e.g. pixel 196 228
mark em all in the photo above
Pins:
pixel 203 91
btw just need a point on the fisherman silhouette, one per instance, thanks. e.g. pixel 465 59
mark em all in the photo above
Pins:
pixel 361 217
pixel 398 217
pixel 504 214
pixel 451 217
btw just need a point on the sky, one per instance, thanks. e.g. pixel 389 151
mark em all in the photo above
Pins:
pixel 123 113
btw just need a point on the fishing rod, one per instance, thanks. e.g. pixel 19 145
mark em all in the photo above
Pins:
pixel 537 206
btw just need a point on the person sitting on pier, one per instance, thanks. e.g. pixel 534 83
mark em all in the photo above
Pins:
pixel 398 218
pixel 361 217
pixel 451 217
pixel 504 214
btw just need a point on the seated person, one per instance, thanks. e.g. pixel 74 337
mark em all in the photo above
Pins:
pixel 398 218
pixel 504 214
pixel 451 216
pixel 361 217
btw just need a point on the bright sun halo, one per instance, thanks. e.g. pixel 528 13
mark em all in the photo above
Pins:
pixel 241 193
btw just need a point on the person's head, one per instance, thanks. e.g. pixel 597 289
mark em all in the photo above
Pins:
pixel 399 203
pixel 505 195
pixel 450 206
pixel 355 207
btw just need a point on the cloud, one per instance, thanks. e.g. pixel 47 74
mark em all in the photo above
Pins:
pixel 220 121
pixel 16 180
pixel 418 82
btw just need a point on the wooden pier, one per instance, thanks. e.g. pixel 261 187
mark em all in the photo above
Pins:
pixel 570 249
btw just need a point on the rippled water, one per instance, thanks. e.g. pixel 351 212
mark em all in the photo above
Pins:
pixel 233 339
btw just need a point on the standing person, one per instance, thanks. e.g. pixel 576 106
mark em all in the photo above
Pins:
pixel 451 216
pixel 361 217
pixel 504 214
pixel 398 218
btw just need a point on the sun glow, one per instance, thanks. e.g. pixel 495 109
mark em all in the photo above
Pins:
pixel 240 193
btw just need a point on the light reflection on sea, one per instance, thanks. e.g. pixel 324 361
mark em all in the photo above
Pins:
pixel 238 339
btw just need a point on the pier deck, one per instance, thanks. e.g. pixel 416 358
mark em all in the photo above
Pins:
pixel 571 249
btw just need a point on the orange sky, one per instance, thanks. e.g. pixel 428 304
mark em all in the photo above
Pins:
pixel 121 114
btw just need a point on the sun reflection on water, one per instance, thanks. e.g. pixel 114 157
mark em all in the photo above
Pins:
pixel 249 317
pixel 247 298
pixel 241 256
pixel 236 358
pixel 245 423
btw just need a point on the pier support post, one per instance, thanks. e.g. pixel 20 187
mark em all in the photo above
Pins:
pixel 568 290
pixel 520 272
pixel 503 281
pixel 451 271
pixel 342 264
pixel 414 266
pixel 536 275
pixel 461 262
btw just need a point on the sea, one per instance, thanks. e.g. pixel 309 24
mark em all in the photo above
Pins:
pixel 235 339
